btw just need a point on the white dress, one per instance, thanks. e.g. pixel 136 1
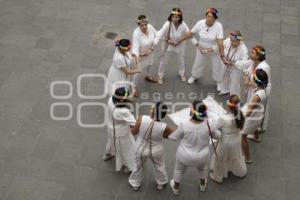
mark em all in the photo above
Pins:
pixel 193 150
pixel 116 77
pixel 229 151
pixel 121 140
pixel 208 39
pixel 176 35
pixel 141 43
pixel 232 75
pixel 247 67
pixel 143 153
pixel 253 122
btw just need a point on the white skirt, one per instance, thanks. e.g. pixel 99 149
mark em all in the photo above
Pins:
pixel 230 158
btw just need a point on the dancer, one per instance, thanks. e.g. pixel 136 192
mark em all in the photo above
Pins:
pixel 142 47
pixel 193 150
pixel 120 140
pixel 255 109
pixel 235 50
pixel 149 145
pixel 173 29
pixel 210 33
pixel 121 69
pixel 229 151
pixel 257 61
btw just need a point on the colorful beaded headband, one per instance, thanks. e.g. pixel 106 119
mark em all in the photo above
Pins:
pixel 261 52
pixel 256 78
pixel 199 115
pixel 213 10
pixel 117 44
pixel 236 36
pixel 176 13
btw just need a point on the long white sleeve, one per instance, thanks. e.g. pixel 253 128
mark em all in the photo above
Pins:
pixel 163 31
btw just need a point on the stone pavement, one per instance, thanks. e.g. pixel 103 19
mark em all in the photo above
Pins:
pixel 45 41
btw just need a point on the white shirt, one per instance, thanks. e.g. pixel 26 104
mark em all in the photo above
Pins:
pixel 235 53
pixel 142 42
pixel 195 138
pixel 143 141
pixel 115 73
pixel 247 67
pixel 208 35
pixel 123 119
pixel 175 34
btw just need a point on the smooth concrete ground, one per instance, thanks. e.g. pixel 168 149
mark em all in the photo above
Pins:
pixel 43 41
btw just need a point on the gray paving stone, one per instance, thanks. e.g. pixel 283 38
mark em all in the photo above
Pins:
pixel 285 10
pixel 291 189
pixel 44 43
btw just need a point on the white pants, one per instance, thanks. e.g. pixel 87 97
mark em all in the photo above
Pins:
pixel 180 169
pixel 232 81
pixel 201 60
pixel 164 60
pixel 159 169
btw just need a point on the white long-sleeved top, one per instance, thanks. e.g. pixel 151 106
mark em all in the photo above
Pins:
pixel 235 54
pixel 194 140
pixel 175 34
pixel 141 43
pixel 248 65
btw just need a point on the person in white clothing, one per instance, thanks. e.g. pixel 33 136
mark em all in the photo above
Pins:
pixel 149 146
pixel 257 61
pixel 119 123
pixel 173 29
pixel 229 151
pixel 142 47
pixel 235 50
pixel 193 151
pixel 255 110
pixel 122 68
pixel 210 33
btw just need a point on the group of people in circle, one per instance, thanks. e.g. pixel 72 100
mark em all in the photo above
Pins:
pixel 231 62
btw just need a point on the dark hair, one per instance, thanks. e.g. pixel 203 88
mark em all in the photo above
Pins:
pixel 199 112
pixel 141 17
pixel 159 110
pixel 261 78
pixel 214 12
pixel 234 100
pixel 260 52
pixel 180 16
pixel 120 98
pixel 124 42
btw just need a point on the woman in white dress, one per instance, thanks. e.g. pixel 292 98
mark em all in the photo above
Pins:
pixel 142 47
pixel 257 61
pixel 235 50
pixel 229 151
pixel 122 67
pixel 173 29
pixel 193 151
pixel 210 33
pixel 149 146
pixel 119 123
pixel 255 110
